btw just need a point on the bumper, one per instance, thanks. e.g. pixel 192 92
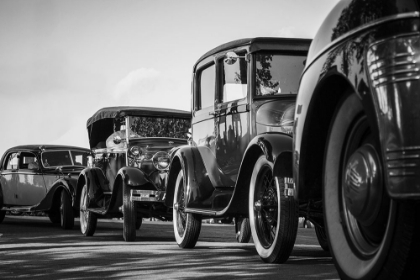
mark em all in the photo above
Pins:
pixel 147 195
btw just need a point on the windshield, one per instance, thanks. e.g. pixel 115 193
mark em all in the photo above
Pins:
pixel 64 158
pixel 159 127
pixel 278 73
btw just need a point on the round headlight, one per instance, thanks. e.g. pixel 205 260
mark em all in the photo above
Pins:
pixel 136 151
pixel 161 160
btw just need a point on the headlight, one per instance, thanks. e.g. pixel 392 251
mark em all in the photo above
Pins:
pixel 136 151
pixel 276 116
pixel 161 160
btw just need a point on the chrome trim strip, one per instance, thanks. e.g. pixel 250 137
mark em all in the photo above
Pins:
pixel 359 29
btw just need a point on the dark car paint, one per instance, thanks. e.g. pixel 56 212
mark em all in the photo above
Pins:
pixel 213 189
pixel 336 65
pixel 64 178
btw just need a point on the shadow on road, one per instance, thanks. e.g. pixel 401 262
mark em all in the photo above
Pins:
pixel 40 250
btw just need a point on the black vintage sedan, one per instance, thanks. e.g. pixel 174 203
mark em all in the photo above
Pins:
pixel 239 163
pixel 357 139
pixel 41 178
pixel 127 176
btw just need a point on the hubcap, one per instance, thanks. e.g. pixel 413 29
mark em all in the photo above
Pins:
pixel 363 184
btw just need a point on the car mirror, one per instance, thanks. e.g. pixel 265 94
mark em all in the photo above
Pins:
pixel 231 58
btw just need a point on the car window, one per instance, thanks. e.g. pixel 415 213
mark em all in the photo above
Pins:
pixel 278 74
pixel 27 161
pixel 12 161
pixel 56 158
pixel 79 158
pixel 159 127
pixel 234 80
pixel 206 86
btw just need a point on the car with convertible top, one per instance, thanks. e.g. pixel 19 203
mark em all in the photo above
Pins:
pixel 41 178
pixel 239 161
pixel 127 174
pixel 357 138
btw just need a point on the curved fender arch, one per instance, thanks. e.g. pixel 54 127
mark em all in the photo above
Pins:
pixel 95 180
pixel 277 147
pixel 53 195
pixel 132 176
pixel 197 179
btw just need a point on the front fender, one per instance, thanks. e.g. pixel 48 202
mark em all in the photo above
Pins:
pixel 94 179
pixel 133 176
pixel 196 177
pixel 277 148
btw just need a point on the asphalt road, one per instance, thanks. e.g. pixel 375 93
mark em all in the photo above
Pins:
pixel 33 248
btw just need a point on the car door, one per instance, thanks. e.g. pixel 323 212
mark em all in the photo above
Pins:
pixel 8 179
pixel 232 114
pixel 30 186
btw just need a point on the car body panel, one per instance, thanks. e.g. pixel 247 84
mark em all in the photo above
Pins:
pixel 339 61
pixel 227 139
pixel 34 188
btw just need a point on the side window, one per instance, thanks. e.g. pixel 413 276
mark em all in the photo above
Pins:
pixel 28 161
pixel 12 161
pixel 234 79
pixel 206 86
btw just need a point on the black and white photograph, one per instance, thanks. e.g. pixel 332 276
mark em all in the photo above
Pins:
pixel 222 139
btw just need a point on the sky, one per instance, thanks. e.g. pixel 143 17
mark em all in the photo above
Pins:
pixel 62 60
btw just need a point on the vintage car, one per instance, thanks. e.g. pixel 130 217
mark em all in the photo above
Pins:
pixel 239 162
pixel 131 148
pixel 41 178
pixel 357 139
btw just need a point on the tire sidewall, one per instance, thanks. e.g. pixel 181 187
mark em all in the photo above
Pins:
pixel 348 264
pixel 180 178
pixel 262 251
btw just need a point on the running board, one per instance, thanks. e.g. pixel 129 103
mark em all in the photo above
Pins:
pixel 211 213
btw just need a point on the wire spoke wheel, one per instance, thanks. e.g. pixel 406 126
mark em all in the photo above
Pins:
pixel 187 226
pixel 88 220
pixel 273 217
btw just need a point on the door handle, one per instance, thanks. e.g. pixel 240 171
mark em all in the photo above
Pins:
pixel 217 111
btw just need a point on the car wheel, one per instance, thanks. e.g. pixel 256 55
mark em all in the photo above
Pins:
pixel 2 214
pixel 322 238
pixel 66 211
pixel 370 235
pixel 243 230
pixel 187 226
pixel 88 220
pixel 54 214
pixel 129 213
pixel 273 217
pixel 139 219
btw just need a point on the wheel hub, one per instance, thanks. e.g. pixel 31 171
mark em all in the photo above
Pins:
pixel 257 205
pixel 363 184
pixel 176 206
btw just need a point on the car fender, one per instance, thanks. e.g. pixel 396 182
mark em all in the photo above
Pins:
pixel 53 195
pixel 95 180
pixel 277 148
pixel 197 178
pixel 132 176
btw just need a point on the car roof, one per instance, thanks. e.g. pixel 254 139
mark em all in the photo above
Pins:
pixel 46 147
pixel 122 111
pixel 261 43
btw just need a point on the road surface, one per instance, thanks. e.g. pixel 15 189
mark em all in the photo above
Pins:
pixel 34 248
